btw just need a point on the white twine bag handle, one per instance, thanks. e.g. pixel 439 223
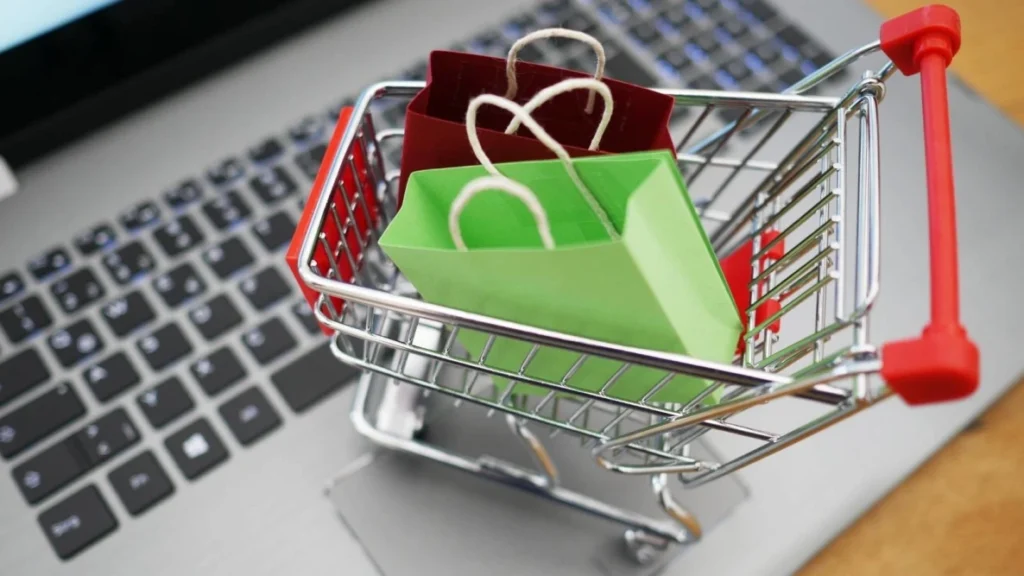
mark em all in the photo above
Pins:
pixel 567 86
pixel 504 184
pixel 510 67
pixel 520 113
pixel 499 181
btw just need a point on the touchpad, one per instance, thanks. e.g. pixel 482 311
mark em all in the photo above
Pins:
pixel 415 516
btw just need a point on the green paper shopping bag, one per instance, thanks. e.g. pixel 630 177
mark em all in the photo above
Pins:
pixel 607 247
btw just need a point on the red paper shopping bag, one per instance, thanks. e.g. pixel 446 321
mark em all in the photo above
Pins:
pixel 352 185
pixel 435 131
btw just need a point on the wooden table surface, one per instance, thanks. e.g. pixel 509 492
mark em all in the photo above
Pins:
pixel 963 511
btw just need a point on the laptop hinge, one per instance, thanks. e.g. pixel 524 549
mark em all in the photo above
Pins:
pixel 8 183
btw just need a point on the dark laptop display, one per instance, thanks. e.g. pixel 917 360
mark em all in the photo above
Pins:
pixel 72 65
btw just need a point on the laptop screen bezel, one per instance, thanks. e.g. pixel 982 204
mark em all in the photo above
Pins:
pixel 75 78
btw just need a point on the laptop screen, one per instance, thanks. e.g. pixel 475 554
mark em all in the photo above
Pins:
pixel 21 22
pixel 69 67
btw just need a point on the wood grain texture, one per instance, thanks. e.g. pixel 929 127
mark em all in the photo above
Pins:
pixel 962 513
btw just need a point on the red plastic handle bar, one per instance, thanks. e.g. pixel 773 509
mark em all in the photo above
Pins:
pixel 943 363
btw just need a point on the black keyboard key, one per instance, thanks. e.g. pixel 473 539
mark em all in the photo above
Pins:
pixel 107 436
pixel 249 416
pixel 165 402
pixel 522 24
pixel 266 150
pixel 531 53
pixel 139 216
pixel 21 373
pixel 25 319
pixel 226 210
pixel 489 42
pixel 645 33
pixel 623 67
pixel 215 317
pixel 274 231
pixel 308 129
pixel 417 72
pixel 179 285
pixel 305 316
pixel 735 28
pixel 128 313
pixel 75 343
pixel 703 83
pixel 49 263
pixel 111 376
pixel 228 257
pixel 95 239
pixel 11 285
pixel 707 42
pixel 217 371
pixel 196 449
pixel 273 185
pixel 225 172
pixel 679 112
pixel 77 522
pixel 309 161
pixel 767 52
pixel 759 9
pixel 311 378
pixel 793 36
pixel 268 341
pixel 817 56
pixel 141 483
pixel 738 70
pixel 76 291
pixel 615 11
pixel 676 58
pixel 676 17
pixel 50 470
pixel 265 288
pixel 178 236
pixel 22 428
pixel 790 77
pixel 555 6
pixel 184 194
pixel 129 262
pixel 164 346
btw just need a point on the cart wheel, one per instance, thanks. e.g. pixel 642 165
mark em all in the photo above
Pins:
pixel 644 547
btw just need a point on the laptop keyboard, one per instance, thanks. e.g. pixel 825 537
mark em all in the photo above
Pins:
pixel 164 306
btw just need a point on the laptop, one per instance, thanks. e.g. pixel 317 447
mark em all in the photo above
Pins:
pixel 167 402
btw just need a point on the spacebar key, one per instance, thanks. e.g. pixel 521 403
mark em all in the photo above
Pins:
pixel 311 378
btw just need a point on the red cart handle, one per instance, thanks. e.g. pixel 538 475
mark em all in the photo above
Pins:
pixel 942 364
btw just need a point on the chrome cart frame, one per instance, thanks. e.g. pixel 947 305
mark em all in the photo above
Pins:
pixel 809 221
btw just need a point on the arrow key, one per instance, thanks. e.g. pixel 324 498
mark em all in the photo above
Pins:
pixel 165 402
pixel 107 436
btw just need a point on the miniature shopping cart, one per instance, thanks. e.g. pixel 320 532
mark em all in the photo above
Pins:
pixel 799 207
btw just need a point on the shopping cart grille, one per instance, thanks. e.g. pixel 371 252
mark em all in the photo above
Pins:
pixel 793 222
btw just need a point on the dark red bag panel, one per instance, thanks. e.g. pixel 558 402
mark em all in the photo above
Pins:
pixel 435 129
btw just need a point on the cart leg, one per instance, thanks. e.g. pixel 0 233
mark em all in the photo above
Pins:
pixel 643 546
pixel 537 450
pixel 646 547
